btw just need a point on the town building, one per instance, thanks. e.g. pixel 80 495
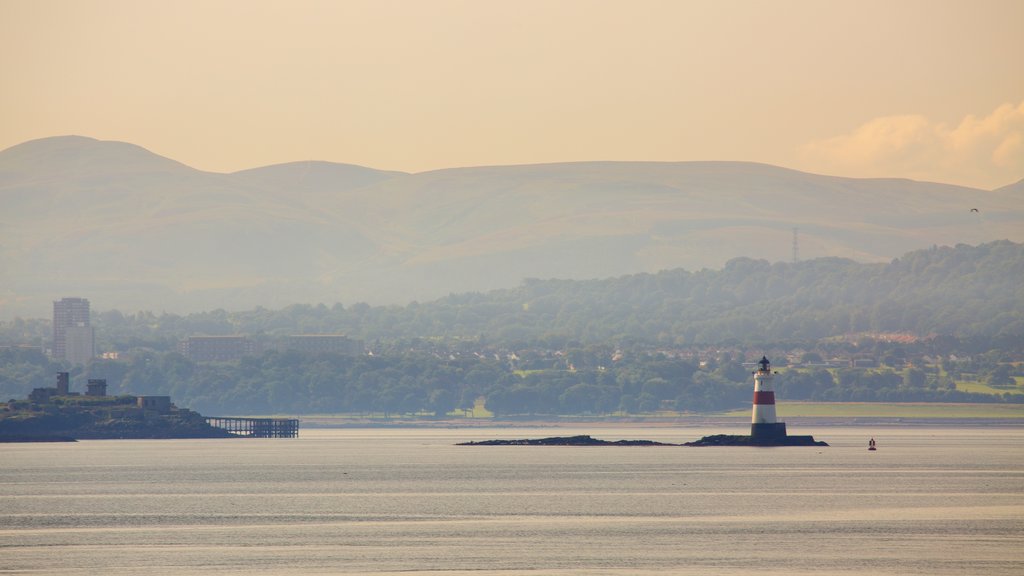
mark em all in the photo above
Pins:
pixel 161 404
pixel 63 383
pixel 63 388
pixel 96 387
pixel 324 343
pixel 216 348
pixel 79 344
pixel 72 314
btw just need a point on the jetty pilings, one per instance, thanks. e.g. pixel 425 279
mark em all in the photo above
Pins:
pixel 257 427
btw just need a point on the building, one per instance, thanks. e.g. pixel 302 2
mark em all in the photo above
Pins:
pixel 96 387
pixel 161 404
pixel 63 383
pixel 63 388
pixel 216 348
pixel 79 344
pixel 324 343
pixel 41 395
pixel 69 313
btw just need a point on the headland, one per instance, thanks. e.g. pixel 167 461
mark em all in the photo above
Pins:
pixel 55 414
pixel 110 417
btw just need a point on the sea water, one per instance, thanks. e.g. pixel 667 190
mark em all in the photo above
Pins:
pixel 383 501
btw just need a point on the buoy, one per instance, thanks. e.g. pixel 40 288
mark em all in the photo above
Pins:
pixel 871 444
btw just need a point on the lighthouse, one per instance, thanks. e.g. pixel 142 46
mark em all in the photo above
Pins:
pixel 763 425
pixel 765 430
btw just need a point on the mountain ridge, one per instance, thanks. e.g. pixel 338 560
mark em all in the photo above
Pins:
pixel 52 144
pixel 131 229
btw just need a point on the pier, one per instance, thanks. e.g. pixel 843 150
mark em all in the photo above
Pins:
pixel 257 427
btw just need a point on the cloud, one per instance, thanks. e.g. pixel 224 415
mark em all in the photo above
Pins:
pixel 984 152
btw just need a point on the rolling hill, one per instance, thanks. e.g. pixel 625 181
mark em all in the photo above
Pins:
pixel 132 230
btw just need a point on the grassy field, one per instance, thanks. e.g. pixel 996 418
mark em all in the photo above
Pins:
pixel 979 387
pixel 893 410
pixel 478 412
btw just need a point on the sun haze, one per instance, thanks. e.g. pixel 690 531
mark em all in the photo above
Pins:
pixel 930 90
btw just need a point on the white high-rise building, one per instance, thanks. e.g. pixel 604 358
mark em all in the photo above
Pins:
pixel 72 313
pixel 79 344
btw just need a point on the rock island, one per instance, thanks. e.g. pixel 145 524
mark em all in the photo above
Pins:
pixel 56 414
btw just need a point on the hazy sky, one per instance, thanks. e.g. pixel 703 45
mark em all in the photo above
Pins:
pixel 931 90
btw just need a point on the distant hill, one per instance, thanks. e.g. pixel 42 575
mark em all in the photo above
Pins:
pixel 132 230
pixel 970 292
pixel 1015 188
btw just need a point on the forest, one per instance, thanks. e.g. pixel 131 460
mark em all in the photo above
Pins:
pixel 587 381
pixel 674 340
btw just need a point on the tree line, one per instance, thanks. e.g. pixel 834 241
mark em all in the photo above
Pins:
pixel 583 347
pixel 963 291
pixel 581 381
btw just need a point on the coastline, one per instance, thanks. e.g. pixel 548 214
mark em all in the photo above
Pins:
pixel 33 438
pixel 328 422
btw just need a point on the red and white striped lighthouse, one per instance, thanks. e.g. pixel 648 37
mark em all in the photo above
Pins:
pixel 763 424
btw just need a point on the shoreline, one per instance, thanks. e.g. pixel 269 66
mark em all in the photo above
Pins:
pixel 324 422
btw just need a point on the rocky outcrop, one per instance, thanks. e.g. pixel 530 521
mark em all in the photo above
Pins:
pixel 107 418
pixel 735 440
pixel 715 440
pixel 35 438
pixel 582 440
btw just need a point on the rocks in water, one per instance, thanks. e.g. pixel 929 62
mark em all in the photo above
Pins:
pixel 582 440
pixel 35 438
pixel 716 440
pixel 733 440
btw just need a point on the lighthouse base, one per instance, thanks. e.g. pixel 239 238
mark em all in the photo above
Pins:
pixel 773 434
pixel 773 431
pixel 730 440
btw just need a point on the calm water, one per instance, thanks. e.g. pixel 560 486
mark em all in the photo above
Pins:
pixel 929 501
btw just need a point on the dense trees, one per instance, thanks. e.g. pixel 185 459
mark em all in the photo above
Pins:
pixel 426 383
pixel 587 347
pixel 22 369
pixel 964 291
